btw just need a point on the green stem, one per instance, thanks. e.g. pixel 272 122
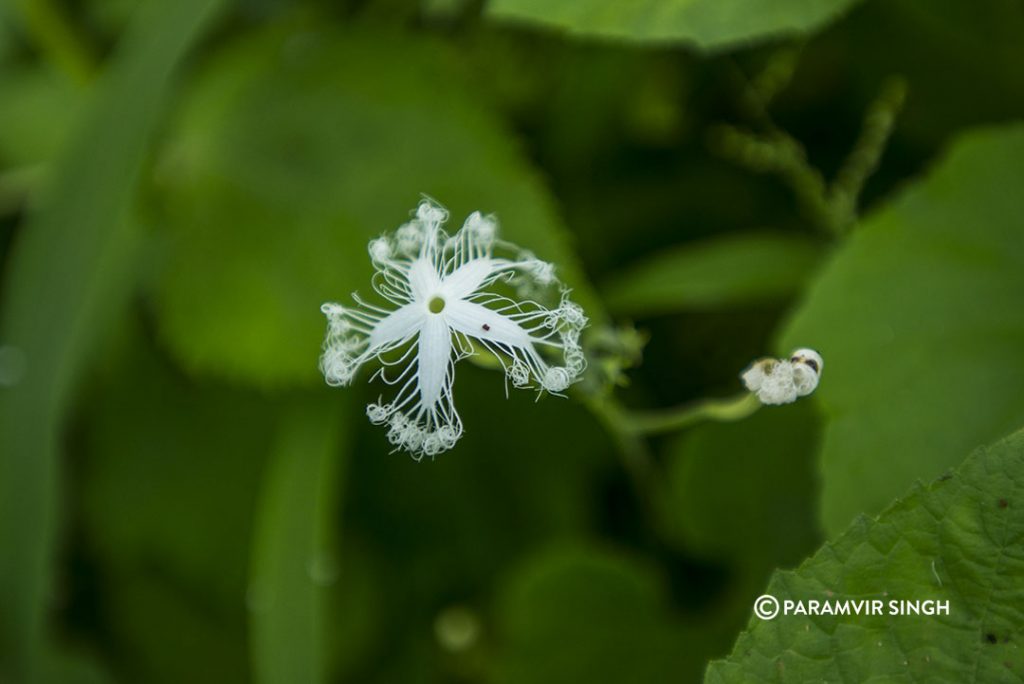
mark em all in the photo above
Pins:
pixel 670 420
pixel 867 152
pixel 58 39
pixel 831 206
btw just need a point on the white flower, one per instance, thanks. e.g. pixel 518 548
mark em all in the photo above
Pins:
pixel 807 367
pixel 777 381
pixel 441 289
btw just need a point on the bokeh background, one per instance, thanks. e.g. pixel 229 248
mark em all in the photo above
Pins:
pixel 183 183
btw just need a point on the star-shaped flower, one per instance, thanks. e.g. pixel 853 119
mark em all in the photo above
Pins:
pixel 443 291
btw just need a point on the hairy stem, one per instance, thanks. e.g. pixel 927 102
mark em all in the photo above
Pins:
pixel 831 206
pixel 669 420
pixel 867 151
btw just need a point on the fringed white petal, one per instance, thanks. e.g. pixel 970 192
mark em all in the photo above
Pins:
pixel 486 324
pixel 434 356
pixel 422 419
pixel 469 277
pixel 397 326
pixel 515 333
pixel 424 281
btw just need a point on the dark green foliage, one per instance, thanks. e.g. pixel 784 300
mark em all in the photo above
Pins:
pixel 957 540
pixel 183 500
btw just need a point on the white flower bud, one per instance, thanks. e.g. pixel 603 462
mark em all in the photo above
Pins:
pixel 805 379
pixel 754 376
pixel 777 381
pixel 778 387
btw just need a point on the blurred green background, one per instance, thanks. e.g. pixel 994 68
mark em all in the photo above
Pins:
pixel 182 183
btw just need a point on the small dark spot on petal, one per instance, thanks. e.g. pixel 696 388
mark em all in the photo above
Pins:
pixel 812 363
pixel 991 638
pixel 486 327
pixel 1003 503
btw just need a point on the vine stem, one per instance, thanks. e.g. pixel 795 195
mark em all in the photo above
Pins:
pixel 669 420
pixel 832 206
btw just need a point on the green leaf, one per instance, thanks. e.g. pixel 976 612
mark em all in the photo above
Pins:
pixel 73 667
pixel 67 270
pixel 6 31
pixel 958 540
pixel 745 492
pixel 293 559
pixel 164 634
pixel 742 495
pixel 577 615
pixel 957 48
pixel 297 147
pixel 166 479
pixel 151 474
pixel 38 109
pixel 707 24
pixel 920 323
pixel 733 270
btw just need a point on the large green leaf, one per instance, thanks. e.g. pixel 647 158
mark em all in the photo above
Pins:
pixel 166 480
pixel 743 496
pixel 958 540
pixel 725 271
pixel 67 271
pixel 163 634
pixel 293 556
pixel 152 462
pixel 745 492
pixel 920 319
pixel 708 24
pixel 38 106
pixel 296 148
pixel 579 615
